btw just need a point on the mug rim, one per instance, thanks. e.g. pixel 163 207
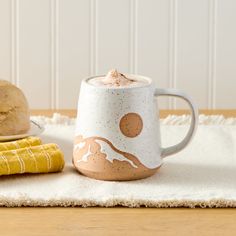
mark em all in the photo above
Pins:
pixel 148 79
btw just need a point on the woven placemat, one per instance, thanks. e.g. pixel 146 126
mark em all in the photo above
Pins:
pixel 202 175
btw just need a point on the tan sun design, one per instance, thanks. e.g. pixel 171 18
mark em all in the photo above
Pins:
pixel 131 125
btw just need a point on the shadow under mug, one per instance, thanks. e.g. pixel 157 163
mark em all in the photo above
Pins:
pixel 118 130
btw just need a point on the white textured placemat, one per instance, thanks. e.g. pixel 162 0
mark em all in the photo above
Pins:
pixel 204 174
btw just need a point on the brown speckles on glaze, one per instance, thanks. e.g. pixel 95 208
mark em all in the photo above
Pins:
pixel 131 125
pixel 97 166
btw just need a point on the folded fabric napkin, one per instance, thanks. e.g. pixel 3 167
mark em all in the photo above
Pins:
pixel 29 156
pixel 22 143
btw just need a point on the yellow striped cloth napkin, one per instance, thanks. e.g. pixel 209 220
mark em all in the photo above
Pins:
pixel 22 143
pixel 30 156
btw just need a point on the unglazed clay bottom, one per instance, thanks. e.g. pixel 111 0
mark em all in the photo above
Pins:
pixel 97 158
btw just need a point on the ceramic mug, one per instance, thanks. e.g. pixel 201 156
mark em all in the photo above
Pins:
pixel 118 130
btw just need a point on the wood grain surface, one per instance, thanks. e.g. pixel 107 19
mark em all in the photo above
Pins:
pixel 163 113
pixel 118 221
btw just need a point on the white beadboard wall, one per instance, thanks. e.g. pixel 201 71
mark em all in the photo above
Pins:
pixel 48 46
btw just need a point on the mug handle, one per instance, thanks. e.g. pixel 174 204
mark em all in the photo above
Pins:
pixel 194 121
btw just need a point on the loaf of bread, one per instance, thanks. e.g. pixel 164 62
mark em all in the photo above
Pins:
pixel 14 110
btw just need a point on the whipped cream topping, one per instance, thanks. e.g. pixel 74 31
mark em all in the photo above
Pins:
pixel 116 79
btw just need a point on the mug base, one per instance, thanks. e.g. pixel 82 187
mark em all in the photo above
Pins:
pixel 118 177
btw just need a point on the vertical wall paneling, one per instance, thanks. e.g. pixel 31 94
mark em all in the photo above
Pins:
pixel 34 40
pixel 15 41
pixel 173 48
pixel 93 37
pixel 212 53
pixel 48 46
pixel 133 36
pixel 153 42
pixel 5 39
pixel 192 50
pixel 54 54
pixel 225 68
pixel 74 49
pixel 113 35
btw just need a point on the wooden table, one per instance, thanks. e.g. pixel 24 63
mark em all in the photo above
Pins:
pixel 118 221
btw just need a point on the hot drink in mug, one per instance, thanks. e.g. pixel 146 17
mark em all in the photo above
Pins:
pixel 118 128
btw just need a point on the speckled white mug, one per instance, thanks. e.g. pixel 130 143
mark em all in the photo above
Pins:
pixel 118 131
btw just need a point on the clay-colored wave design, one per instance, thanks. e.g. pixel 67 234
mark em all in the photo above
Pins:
pixel 98 158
